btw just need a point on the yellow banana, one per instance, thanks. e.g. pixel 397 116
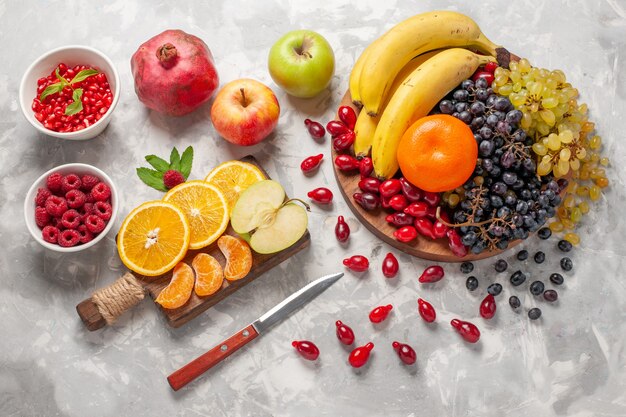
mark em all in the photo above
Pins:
pixel 366 124
pixel 415 98
pixel 414 36
pixel 355 76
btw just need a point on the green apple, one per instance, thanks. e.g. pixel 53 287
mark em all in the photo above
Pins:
pixel 302 63
pixel 269 223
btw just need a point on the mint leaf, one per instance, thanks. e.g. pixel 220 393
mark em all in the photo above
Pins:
pixel 159 164
pixel 152 178
pixel 83 75
pixel 62 80
pixel 49 90
pixel 175 159
pixel 185 162
pixel 77 105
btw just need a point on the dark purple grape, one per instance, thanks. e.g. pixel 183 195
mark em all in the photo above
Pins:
pixel 492 120
pixel 503 127
pixel 514 302
pixel 501 104
pixel 481 83
pixel 485 148
pixel 471 283
pixel 534 313
pixel 461 95
pixel 517 278
pixel 477 123
pixel 507 161
pixel 499 188
pixel 467 85
pixel 550 296
pixel 477 108
pixel 482 94
pixel 514 116
pixel 446 107
pixel 486 132
pixel 556 278
pixel 509 178
pixel 460 106
pixel 536 288
pixel 519 135
pixel 465 116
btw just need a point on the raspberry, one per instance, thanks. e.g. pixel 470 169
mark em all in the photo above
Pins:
pixel 69 237
pixel 42 196
pixel 42 217
pixel 85 211
pixel 54 182
pixel 56 206
pixel 89 198
pixel 172 178
pixel 50 234
pixel 85 235
pixel 89 181
pixel 75 198
pixel 56 222
pixel 94 223
pixel 102 210
pixel 70 182
pixel 71 219
pixel 101 192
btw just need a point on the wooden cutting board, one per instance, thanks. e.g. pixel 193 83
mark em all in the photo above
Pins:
pixel 93 319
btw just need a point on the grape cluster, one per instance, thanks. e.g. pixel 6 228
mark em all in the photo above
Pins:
pixel 504 199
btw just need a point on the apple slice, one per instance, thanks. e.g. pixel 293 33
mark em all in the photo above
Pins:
pixel 268 223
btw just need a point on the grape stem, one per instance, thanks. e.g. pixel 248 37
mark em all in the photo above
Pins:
pixel 467 223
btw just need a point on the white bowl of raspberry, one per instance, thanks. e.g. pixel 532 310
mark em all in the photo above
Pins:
pixel 70 92
pixel 71 207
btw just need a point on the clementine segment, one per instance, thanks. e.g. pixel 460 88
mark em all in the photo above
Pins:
pixel 437 153
pixel 209 274
pixel 238 257
pixel 178 291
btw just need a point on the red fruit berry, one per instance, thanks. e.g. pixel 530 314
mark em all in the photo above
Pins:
pixel 432 199
pixel 306 349
pixel 344 333
pixel 455 243
pixel 102 192
pixel 405 352
pixel 426 310
pixel 439 230
pixel 336 128
pixel 344 141
pixel 85 234
pixel 70 182
pixel 68 238
pixel 71 219
pixel 342 230
pixel 316 130
pixel 405 234
pixel 357 263
pixel 380 313
pixel 390 188
pixel 488 307
pixel 370 184
pixel 56 206
pixel 321 195
pixel 42 196
pixel 368 201
pixel 491 67
pixel 400 219
pixel 54 182
pixel 42 217
pixel 417 209
pixel 102 210
pixel 347 116
pixel 89 198
pixel 88 182
pixel 346 163
pixel 94 223
pixel 310 163
pixel 398 202
pixel 359 356
pixel 411 192
pixel 75 198
pixel 483 74
pixel 390 266
pixel 50 234
pixel 424 227
pixel 433 273
pixel 366 166
pixel 171 179
pixel 467 330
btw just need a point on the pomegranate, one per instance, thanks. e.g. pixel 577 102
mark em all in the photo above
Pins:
pixel 174 73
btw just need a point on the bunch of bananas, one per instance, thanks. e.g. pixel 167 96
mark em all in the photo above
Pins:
pixel 402 75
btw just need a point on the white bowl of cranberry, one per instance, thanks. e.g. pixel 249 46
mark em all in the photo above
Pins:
pixel 70 92
pixel 71 207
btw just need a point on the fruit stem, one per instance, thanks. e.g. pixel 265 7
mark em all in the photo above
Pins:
pixel 304 203
pixel 244 100
pixel 438 217
pixel 167 54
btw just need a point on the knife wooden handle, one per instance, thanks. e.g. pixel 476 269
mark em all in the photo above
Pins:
pixel 200 365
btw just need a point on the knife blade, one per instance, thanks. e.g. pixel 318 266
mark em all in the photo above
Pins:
pixel 201 364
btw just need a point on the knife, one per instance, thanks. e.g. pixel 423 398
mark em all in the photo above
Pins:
pixel 203 363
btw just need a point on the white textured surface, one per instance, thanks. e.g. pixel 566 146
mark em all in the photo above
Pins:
pixel 572 362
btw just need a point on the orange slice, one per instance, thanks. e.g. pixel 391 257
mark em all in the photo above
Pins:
pixel 209 274
pixel 153 238
pixel 205 208
pixel 233 177
pixel 238 257
pixel 178 291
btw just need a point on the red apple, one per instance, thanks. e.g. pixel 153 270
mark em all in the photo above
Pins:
pixel 245 112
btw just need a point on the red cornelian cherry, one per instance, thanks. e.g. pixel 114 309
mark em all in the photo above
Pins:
pixel 390 187
pixel 357 263
pixel 380 313
pixel 467 330
pixel 359 356
pixel 366 166
pixel 398 202
pixel 417 209
pixel 311 163
pixel 390 266
pixel 306 349
pixel 424 227
pixel 321 195
pixel 346 162
pixel 455 244
pixel 316 130
pixel 411 192
pixel 405 234
pixel 433 273
pixel 347 116
pixel 405 352
pixel 368 201
pixel 336 128
pixel 369 184
pixel 342 230
pixel 400 219
pixel 488 307
pixel 432 199
pixel 426 310
pixel 384 202
pixel 439 230
pixel 344 333
pixel 343 141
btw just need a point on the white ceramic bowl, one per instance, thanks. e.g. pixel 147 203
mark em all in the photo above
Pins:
pixel 70 55
pixel 79 169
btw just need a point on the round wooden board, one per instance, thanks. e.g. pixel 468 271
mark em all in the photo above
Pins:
pixel 422 247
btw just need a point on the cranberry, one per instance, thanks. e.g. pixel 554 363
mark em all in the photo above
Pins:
pixel 347 116
pixel 424 227
pixel 306 349
pixel 398 202
pixel 405 352
pixel 405 234
pixel 342 230
pixel 366 166
pixel 488 307
pixel 390 266
pixel 433 273
pixel 483 74
pixel 344 141
pixel 357 263
pixel 368 201
pixel 467 330
pixel 426 310
pixel 400 219
pixel 344 333
pixel 336 128
pixel 411 192
pixel 311 163
pixel 346 162
pixel 390 188
pixel 370 184
pixel 359 356
pixel 417 209
pixel 316 130
pixel 439 230
pixel 491 67
pixel 455 243
pixel 432 199
pixel 321 195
